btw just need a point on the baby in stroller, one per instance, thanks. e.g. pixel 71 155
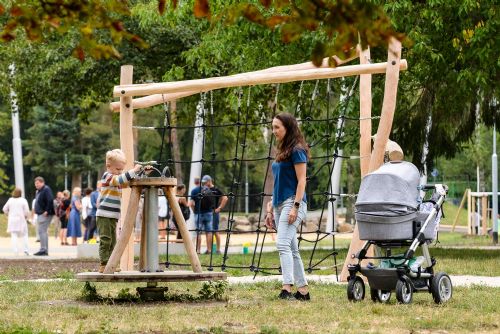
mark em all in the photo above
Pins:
pixel 391 214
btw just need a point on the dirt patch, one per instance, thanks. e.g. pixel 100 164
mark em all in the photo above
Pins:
pixel 21 269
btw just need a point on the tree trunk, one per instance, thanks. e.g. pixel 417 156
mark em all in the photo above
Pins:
pixel 175 143
pixel 350 190
pixel 76 180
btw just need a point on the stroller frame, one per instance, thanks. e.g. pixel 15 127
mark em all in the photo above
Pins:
pixel 401 278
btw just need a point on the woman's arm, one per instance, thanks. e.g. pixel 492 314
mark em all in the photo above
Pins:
pixel 300 171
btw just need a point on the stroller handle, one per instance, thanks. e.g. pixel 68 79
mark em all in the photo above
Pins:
pixel 441 189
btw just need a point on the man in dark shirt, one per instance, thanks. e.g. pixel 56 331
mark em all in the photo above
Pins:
pixel 44 208
pixel 220 201
pixel 202 210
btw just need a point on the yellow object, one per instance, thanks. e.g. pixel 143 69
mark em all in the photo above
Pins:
pixel 92 241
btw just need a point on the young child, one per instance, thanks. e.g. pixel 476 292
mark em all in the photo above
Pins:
pixel 108 212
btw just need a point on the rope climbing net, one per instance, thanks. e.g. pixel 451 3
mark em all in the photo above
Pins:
pixel 234 132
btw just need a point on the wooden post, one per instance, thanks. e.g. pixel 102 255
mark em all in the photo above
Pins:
pixel 459 209
pixel 484 213
pixel 469 212
pixel 365 114
pixel 384 129
pixel 473 214
pixel 126 232
pixel 127 146
pixel 181 225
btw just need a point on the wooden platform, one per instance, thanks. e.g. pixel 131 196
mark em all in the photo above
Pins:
pixel 166 276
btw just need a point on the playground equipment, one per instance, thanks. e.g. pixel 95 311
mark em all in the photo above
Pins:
pixel 149 270
pixel 478 212
pixel 158 93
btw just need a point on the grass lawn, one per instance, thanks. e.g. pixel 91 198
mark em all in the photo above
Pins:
pixel 55 307
pixel 450 212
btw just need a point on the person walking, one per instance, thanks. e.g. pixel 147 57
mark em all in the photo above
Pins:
pixel 56 220
pixel 17 211
pixel 288 207
pixel 44 209
pixel 74 225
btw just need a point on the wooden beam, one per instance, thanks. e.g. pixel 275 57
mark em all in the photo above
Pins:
pixel 127 146
pixel 384 129
pixel 469 212
pixel 126 232
pixel 365 114
pixel 484 214
pixel 201 85
pixel 155 99
pixel 388 105
pixel 181 225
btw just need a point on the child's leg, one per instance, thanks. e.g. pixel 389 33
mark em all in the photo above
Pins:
pixel 107 237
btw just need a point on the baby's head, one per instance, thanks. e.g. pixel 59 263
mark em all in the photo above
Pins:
pixel 115 161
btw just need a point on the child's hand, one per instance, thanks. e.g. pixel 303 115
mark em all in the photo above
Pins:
pixel 148 169
pixel 137 168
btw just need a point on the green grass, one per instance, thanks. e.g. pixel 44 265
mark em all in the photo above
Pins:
pixel 453 261
pixel 455 239
pixel 252 308
pixel 450 211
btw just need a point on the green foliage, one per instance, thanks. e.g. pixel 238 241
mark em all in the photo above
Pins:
pixel 453 68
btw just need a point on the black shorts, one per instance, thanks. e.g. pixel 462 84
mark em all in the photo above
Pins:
pixel 64 222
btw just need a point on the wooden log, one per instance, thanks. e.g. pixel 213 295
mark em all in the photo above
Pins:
pixel 388 105
pixel 153 100
pixel 127 146
pixel 126 232
pixel 166 276
pixel 181 225
pixel 365 114
pixel 462 202
pixel 384 129
pixel 202 85
pixel 484 214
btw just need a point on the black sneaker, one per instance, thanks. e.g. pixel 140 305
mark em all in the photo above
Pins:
pixel 285 295
pixel 300 296
pixel 40 253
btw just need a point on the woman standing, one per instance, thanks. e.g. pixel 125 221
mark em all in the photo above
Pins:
pixel 17 211
pixel 288 207
pixel 74 225
pixel 64 217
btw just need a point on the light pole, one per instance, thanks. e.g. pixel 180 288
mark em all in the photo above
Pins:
pixel 494 179
pixel 16 135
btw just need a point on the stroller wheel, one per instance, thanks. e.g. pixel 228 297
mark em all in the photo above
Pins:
pixel 381 296
pixel 356 289
pixel 441 288
pixel 404 291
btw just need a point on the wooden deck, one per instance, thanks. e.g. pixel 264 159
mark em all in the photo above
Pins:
pixel 166 276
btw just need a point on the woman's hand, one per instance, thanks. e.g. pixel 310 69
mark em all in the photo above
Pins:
pixel 269 220
pixel 292 216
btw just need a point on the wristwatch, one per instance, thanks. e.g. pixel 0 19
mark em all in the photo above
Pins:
pixel 296 204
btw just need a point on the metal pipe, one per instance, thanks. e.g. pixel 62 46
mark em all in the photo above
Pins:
pixel 151 219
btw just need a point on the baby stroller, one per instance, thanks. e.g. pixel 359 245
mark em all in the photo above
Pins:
pixel 391 215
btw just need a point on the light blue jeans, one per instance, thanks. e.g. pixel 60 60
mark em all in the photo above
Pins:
pixel 292 267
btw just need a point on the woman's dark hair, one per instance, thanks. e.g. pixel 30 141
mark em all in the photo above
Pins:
pixel 293 138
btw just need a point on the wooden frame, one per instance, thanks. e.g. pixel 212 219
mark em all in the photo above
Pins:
pixel 168 91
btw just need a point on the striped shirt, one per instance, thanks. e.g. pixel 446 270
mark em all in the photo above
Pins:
pixel 110 195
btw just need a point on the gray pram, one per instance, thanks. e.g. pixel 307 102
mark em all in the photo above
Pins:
pixel 390 214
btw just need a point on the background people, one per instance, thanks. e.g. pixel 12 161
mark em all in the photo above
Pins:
pixel 44 208
pixel 17 211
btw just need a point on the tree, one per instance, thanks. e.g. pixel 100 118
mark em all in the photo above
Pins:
pixel 453 70
pixel 100 28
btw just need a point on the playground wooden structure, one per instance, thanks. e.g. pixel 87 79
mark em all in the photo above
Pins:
pixel 157 93
pixel 472 199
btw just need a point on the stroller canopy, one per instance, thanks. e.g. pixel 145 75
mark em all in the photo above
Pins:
pixel 394 183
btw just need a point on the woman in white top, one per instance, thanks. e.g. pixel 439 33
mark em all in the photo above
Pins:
pixel 17 211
